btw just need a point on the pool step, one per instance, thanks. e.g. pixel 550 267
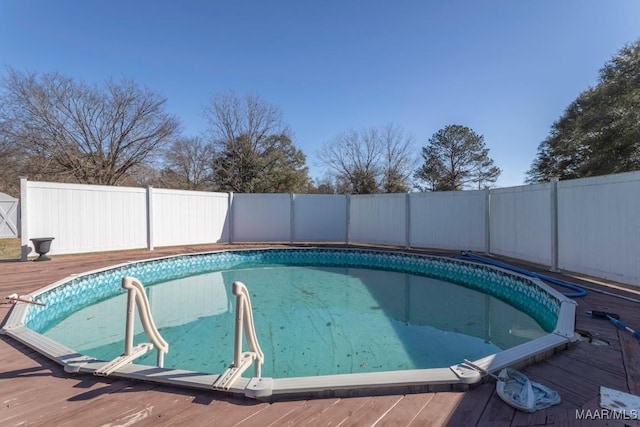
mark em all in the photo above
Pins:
pixel 226 380
pixel 138 351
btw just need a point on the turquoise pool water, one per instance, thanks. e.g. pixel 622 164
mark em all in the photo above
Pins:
pixel 310 320
pixel 406 306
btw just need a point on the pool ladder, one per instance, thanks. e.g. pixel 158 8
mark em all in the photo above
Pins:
pixel 136 296
pixel 243 359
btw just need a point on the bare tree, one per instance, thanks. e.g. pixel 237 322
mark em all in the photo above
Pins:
pixel 324 185
pixel 10 164
pixel 253 148
pixel 370 160
pixel 355 158
pixel 92 135
pixel 231 117
pixel 399 160
pixel 188 164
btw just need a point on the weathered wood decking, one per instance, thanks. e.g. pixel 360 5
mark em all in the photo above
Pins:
pixel 35 391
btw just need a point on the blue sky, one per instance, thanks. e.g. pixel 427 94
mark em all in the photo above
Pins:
pixel 507 69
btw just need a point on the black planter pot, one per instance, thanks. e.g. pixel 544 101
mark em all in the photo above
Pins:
pixel 42 245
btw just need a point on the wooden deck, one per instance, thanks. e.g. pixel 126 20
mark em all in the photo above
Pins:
pixel 35 391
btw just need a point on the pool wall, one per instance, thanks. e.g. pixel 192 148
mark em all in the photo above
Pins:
pixel 517 291
pixel 551 309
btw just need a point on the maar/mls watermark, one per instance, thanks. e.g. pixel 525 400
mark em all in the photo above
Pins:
pixel 607 414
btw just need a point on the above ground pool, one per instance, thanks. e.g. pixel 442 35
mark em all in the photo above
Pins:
pixel 329 321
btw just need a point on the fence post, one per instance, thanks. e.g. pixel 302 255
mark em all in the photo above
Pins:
pixel 24 222
pixel 407 227
pixel 487 221
pixel 150 217
pixel 553 186
pixel 347 237
pixel 291 217
pixel 230 216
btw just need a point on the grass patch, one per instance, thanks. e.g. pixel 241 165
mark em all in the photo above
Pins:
pixel 10 248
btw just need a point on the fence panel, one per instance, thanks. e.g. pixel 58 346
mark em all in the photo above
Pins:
pixel 520 222
pixel 448 220
pixel 261 218
pixel 8 216
pixel 87 218
pixel 189 217
pixel 599 226
pixel 319 218
pixel 378 218
pixel 598 223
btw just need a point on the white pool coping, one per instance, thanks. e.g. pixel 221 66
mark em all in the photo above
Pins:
pixel 457 376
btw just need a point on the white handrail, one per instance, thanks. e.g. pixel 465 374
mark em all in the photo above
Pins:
pixel 244 317
pixel 137 294
pixel 242 359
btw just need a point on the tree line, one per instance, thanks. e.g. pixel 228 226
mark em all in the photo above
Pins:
pixel 54 128
pixel 599 132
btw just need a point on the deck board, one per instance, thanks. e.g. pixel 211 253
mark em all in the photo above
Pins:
pixel 604 359
pixel 472 406
pixel 577 368
pixel 405 411
pixel 496 413
pixel 631 356
pixel 337 414
pixel 35 391
pixel 310 408
pixel 220 412
pixel 438 411
pixel 105 405
pixel 373 411
pixel 271 414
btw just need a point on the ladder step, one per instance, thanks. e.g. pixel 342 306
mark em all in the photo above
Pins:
pixel 226 380
pixel 122 360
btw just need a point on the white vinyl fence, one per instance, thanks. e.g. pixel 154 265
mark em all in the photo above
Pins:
pixel 378 218
pixel 319 218
pixel 84 218
pixel 261 218
pixel 589 226
pixel 599 226
pixel 520 222
pixel 449 220
pixel 188 217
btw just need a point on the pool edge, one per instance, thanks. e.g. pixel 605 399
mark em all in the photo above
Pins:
pixel 436 379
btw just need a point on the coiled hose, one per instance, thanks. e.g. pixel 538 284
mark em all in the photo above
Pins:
pixel 579 292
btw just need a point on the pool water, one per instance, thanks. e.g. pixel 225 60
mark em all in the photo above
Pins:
pixel 310 321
